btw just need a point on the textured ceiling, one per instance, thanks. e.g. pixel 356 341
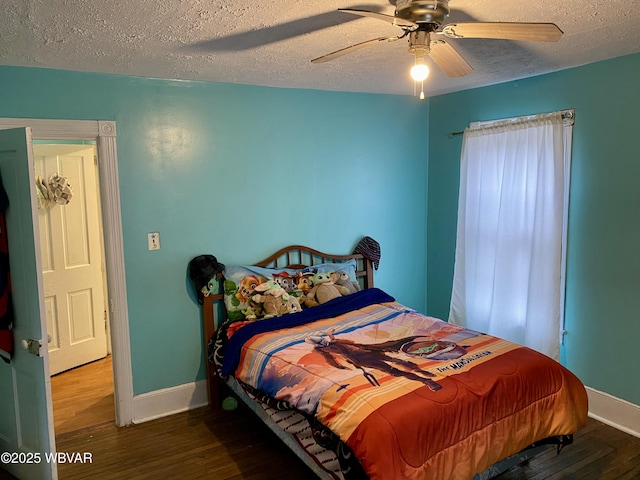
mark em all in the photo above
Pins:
pixel 271 43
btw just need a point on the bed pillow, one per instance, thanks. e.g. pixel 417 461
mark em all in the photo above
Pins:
pixel 240 282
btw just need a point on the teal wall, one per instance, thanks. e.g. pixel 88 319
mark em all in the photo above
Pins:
pixel 603 265
pixel 239 172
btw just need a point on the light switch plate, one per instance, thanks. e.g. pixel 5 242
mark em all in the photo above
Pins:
pixel 153 240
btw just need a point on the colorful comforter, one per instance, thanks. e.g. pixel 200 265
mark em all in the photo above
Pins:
pixel 412 396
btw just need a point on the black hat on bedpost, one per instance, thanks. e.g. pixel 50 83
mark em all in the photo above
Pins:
pixel 201 270
pixel 369 249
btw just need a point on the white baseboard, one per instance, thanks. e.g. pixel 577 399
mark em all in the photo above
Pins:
pixel 168 401
pixel 613 411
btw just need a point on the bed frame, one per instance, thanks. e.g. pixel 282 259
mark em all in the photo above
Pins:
pixel 293 256
pixel 298 257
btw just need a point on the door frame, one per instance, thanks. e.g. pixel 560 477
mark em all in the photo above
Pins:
pixel 103 132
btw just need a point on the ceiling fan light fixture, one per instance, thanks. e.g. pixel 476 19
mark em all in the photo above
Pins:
pixel 420 71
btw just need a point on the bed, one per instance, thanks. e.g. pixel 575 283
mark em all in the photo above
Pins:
pixel 360 386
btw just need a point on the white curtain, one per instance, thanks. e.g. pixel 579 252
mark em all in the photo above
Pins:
pixel 511 215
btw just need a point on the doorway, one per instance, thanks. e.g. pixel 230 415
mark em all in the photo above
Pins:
pixel 103 134
pixel 75 287
pixel 26 423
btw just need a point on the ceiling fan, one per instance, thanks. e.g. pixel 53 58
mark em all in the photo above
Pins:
pixel 422 22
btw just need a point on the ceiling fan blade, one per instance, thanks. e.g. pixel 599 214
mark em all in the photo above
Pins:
pixel 537 32
pixel 352 48
pixel 448 59
pixel 399 22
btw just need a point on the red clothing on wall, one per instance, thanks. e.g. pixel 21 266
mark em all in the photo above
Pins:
pixel 6 306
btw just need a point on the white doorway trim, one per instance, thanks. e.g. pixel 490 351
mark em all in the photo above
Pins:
pixel 104 134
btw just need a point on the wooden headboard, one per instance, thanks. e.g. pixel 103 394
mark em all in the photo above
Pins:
pixel 294 256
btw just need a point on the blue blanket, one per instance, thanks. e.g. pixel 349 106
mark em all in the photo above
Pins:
pixel 333 308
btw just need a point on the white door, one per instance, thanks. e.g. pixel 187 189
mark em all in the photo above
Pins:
pixel 26 428
pixel 72 260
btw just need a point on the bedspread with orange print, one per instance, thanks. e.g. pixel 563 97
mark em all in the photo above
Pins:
pixel 414 397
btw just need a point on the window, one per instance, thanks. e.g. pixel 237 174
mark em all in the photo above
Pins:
pixel 512 215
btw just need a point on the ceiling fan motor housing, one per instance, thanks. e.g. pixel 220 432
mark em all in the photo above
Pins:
pixel 419 42
pixel 423 11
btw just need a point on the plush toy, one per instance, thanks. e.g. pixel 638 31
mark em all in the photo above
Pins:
pixel 250 313
pixel 303 282
pixel 237 298
pixel 304 286
pixel 311 271
pixel 210 288
pixel 203 270
pixel 293 304
pixel 340 277
pixel 285 280
pixel 308 302
pixel 270 287
pixel 247 286
pixel 324 289
pixel 273 299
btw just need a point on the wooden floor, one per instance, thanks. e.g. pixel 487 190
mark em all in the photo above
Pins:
pixel 221 445
pixel 83 397
pixel 192 445
pixel 598 452
pixel 233 445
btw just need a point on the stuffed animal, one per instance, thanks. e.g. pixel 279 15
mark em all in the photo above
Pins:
pixel 203 271
pixel 293 305
pixel 210 288
pixel 275 306
pixel 237 298
pixel 304 286
pixel 273 299
pixel 247 286
pixel 324 289
pixel 285 280
pixel 340 277
pixel 250 313
pixel 270 287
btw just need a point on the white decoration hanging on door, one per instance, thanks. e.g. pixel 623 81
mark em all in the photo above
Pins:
pixel 55 190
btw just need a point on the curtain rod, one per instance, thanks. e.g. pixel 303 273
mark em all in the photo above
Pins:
pixel 567 115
